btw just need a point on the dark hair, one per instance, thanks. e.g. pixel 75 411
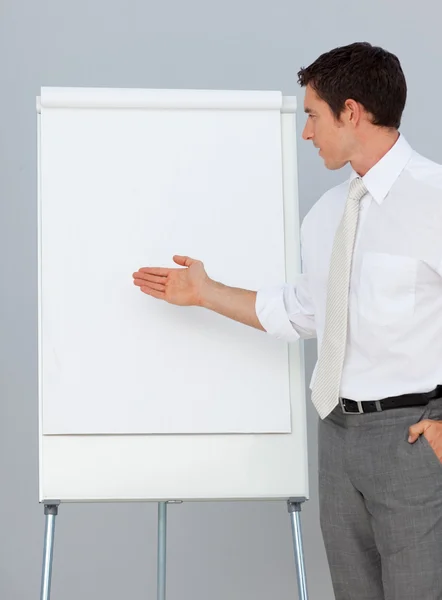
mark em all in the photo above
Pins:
pixel 367 74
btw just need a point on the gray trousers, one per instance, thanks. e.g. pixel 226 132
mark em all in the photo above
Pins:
pixel 381 505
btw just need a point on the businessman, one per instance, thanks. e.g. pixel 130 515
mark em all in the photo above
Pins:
pixel 371 292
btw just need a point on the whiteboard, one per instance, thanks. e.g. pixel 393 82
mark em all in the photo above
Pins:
pixel 139 399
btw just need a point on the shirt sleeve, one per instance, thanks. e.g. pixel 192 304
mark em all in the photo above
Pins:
pixel 286 311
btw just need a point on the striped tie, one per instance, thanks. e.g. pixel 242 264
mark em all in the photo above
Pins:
pixel 326 386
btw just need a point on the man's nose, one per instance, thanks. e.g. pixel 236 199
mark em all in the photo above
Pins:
pixel 306 134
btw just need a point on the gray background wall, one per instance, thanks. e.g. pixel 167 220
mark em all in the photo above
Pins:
pixel 234 551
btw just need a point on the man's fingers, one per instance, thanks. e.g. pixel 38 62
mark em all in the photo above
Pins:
pixel 158 271
pixel 153 293
pixel 141 276
pixel 154 286
pixel 149 284
pixel 417 429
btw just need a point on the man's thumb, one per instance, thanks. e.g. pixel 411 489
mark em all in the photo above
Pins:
pixel 415 430
pixel 183 261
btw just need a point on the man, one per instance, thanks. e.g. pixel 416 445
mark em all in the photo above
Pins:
pixel 371 291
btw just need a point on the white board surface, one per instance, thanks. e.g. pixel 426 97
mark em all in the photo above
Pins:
pixel 137 396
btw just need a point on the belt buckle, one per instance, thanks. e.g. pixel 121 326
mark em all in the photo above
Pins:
pixel 351 412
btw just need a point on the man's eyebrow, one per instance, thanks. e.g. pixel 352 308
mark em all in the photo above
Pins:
pixel 309 111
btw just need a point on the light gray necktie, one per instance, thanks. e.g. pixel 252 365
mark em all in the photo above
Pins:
pixel 325 392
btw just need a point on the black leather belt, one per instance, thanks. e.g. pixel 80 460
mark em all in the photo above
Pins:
pixel 368 406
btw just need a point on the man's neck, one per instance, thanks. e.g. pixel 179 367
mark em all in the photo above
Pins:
pixel 372 149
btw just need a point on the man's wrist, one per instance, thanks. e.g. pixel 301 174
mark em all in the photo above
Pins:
pixel 208 289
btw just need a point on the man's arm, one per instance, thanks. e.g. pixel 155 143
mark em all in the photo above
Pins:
pixel 234 303
pixel 191 286
pixel 285 312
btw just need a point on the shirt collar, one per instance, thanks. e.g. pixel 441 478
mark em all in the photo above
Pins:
pixel 381 177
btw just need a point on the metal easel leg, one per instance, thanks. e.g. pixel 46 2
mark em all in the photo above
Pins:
pixel 51 511
pixel 294 508
pixel 161 565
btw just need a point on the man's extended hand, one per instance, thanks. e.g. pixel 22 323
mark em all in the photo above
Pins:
pixel 177 286
pixel 191 286
pixel 432 430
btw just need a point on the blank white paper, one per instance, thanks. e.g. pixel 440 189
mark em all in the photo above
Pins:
pixel 123 188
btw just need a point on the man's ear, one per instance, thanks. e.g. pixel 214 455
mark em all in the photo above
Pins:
pixel 352 111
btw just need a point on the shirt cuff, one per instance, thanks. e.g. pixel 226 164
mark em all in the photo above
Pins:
pixel 272 314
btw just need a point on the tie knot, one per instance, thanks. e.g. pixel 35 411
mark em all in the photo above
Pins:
pixel 357 189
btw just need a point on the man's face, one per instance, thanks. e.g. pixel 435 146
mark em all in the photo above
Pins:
pixel 332 137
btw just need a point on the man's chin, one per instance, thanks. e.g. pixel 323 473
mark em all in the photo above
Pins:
pixel 333 165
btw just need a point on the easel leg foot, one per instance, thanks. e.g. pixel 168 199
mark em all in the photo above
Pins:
pixel 51 511
pixel 294 508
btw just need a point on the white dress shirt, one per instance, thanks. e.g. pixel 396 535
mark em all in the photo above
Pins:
pixel 394 343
